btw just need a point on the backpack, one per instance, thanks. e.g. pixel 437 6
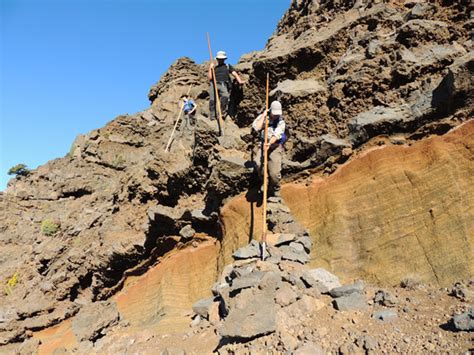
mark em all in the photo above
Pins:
pixel 285 135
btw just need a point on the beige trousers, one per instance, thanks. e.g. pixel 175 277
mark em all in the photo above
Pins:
pixel 274 165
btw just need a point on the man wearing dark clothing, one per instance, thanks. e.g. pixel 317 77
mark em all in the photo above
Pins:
pixel 223 82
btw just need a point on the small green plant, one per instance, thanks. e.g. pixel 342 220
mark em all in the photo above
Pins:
pixel 49 228
pixel 118 162
pixel 11 283
pixel 19 169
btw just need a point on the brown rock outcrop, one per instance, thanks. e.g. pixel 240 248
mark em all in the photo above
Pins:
pixel 349 75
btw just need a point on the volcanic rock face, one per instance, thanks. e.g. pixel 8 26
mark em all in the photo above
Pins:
pixel 352 76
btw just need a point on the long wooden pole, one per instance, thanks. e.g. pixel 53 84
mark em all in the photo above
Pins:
pixel 265 175
pixel 176 124
pixel 216 92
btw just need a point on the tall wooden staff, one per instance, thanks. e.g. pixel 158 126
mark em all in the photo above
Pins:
pixel 216 92
pixel 265 175
pixel 176 124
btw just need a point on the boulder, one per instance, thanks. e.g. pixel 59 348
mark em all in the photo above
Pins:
pixel 252 315
pixel 252 250
pixel 464 321
pixel 94 319
pixel 385 298
pixel 164 214
pixel 351 302
pixel 379 120
pixel 305 240
pixel 297 247
pixel 250 280
pixel 294 253
pixel 203 306
pixel 321 279
pixel 285 238
pixel 357 287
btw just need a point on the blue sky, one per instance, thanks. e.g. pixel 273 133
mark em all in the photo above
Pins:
pixel 70 66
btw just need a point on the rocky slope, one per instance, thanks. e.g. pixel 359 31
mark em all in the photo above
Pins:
pixel 378 98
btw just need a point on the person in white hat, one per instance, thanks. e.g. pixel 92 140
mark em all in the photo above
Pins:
pixel 274 147
pixel 223 82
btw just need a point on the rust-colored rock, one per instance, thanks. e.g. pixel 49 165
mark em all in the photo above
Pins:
pixel 395 212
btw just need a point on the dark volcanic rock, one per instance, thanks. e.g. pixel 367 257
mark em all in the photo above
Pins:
pixel 250 251
pixel 464 321
pixel 253 315
pixel 351 302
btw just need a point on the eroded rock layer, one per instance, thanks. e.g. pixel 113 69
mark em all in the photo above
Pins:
pixel 161 299
pixel 395 212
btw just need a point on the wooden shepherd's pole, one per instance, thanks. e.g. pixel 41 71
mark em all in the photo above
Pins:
pixel 216 92
pixel 265 175
pixel 176 124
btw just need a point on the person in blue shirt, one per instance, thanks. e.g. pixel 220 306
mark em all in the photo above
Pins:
pixel 189 112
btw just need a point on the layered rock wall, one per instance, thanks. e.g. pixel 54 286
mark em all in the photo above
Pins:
pixel 395 212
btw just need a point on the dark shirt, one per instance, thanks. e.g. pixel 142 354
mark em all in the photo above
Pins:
pixel 222 72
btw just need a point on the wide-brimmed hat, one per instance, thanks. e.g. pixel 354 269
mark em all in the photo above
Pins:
pixel 221 55
pixel 275 108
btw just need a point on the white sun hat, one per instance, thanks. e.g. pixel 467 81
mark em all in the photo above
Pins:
pixel 221 55
pixel 275 108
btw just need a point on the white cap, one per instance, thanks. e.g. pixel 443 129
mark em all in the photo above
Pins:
pixel 275 108
pixel 221 55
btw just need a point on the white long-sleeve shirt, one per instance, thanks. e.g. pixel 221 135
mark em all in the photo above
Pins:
pixel 273 130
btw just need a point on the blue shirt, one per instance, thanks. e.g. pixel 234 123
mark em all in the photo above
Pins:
pixel 188 105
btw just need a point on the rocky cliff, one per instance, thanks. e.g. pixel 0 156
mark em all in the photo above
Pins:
pixel 378 98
